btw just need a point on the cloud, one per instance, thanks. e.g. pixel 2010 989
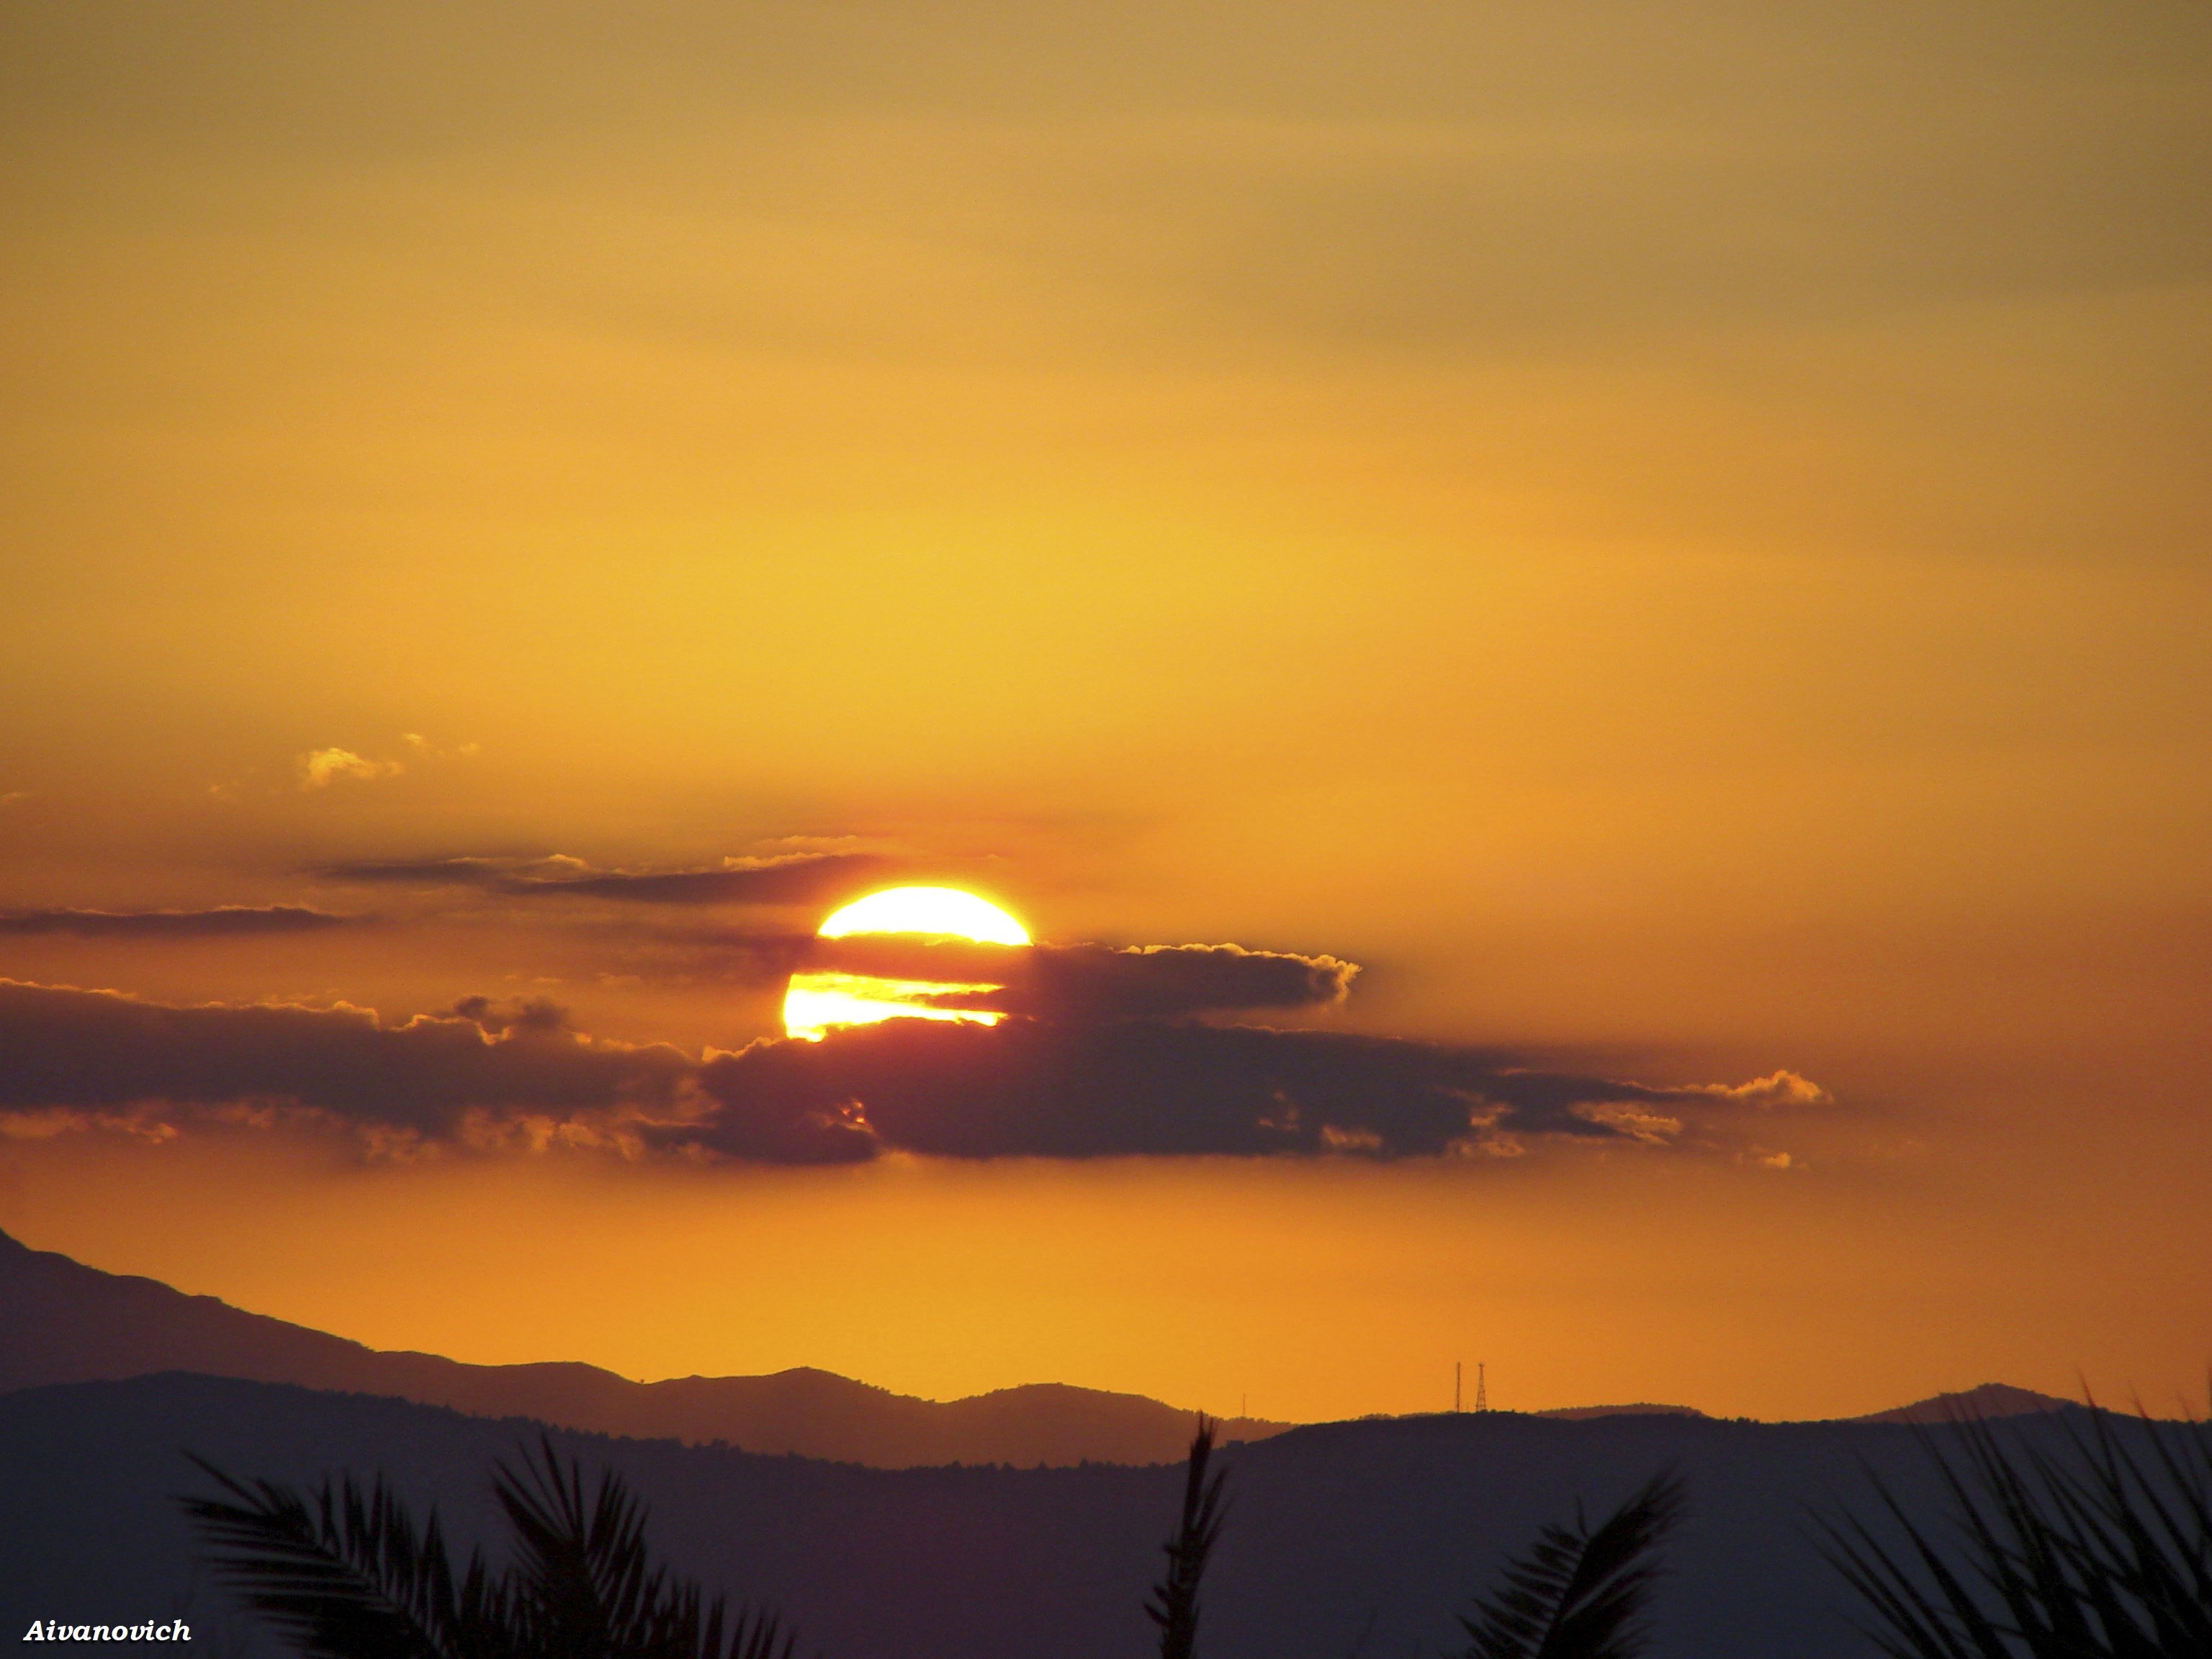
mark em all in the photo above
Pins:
pixel 224 920
pixel 794 878
pixel 320 768
pixel 487 1074
pixel 1781 1090
pixel 439 871
pixel 1095 982
pixel 100 1051
pixel 1026 1088
pixel 797 878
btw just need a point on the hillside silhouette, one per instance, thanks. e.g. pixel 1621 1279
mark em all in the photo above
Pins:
pixel 1373 1532
pixel 66 1322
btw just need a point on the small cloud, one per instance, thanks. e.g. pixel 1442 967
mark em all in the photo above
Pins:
pixel 783 846
pixel 10 797
pixel 1779 1091
pixel 1633 1120
pixel 1334 1140
pixel 320 768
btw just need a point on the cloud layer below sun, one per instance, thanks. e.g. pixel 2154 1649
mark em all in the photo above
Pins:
pixel 1086 1067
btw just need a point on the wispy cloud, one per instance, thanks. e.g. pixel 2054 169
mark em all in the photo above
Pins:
pixel 321 767
pixel 790 878
pixel 223 921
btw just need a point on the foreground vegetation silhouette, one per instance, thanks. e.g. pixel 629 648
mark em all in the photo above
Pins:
pixel 1581 1593
pixel 1174 1606
pixel 348 1575
pixel 2093 1550
pixel 2105 1553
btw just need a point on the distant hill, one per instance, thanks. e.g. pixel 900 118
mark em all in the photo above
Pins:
pixel 1342 1539
pixel 66 1322
pixel 1584 1413
pixel 1989 1400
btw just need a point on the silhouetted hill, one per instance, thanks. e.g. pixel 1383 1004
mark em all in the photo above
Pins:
pixel 66 1322
pixel 1584 1413
pixel 1989 1400
pixel 1346 1538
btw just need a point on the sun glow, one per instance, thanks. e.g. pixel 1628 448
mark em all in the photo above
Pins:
pixel 817 1001
pixel 938 911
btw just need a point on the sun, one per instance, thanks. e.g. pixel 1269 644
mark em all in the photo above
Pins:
pixel 940 912
pixel 816 1002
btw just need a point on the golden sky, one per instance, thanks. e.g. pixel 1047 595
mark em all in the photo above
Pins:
pixel 1672 537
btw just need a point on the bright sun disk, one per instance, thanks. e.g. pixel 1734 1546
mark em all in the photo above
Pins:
pixel 816 1002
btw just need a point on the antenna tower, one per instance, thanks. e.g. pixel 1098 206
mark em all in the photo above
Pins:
pixel 1481 1392
pixel 1456 1370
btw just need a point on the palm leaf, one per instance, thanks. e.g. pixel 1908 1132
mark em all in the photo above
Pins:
pixel 2104 1553
pixel 1174 1606
pixel 348 1576
pixel 1580 1593
pixel 587 1584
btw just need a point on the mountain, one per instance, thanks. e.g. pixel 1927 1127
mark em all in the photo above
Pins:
pixel 1584 1413
pixel 66 1322
pixel 1989 1400
pixel 1362 1537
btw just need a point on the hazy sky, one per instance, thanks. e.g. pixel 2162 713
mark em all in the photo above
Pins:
pixel 1672 537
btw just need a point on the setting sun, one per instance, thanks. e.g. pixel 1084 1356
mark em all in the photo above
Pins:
pixel 816 1001
pixel 938 911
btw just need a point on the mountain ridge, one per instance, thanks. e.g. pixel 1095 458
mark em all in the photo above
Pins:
pixel 70 1322
pixel 1370 1531
pixel 74 1323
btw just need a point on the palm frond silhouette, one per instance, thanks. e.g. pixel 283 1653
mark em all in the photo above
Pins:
pixel 2104 1553
pixel 1580 1593
pixel 1174 1606
pixel 346 1573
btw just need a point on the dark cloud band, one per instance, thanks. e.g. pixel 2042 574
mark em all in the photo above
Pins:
pixel 798 878
pixel 1091 983
pixel 61 1047
pixel 1021 1088
pixel 224 920
pixel 1029 1089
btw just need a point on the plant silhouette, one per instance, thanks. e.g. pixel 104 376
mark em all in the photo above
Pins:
pixel 2105 1554
pixel 348 1574
pixel 1580 1593
pixel 1174 1606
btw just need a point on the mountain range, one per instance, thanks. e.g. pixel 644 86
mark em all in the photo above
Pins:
pixel 1365 1538
pixel 67 1322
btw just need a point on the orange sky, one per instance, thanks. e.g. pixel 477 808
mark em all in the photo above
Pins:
pixel 1674 537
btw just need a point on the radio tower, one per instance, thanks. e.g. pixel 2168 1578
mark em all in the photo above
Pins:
pixel 1481 1392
